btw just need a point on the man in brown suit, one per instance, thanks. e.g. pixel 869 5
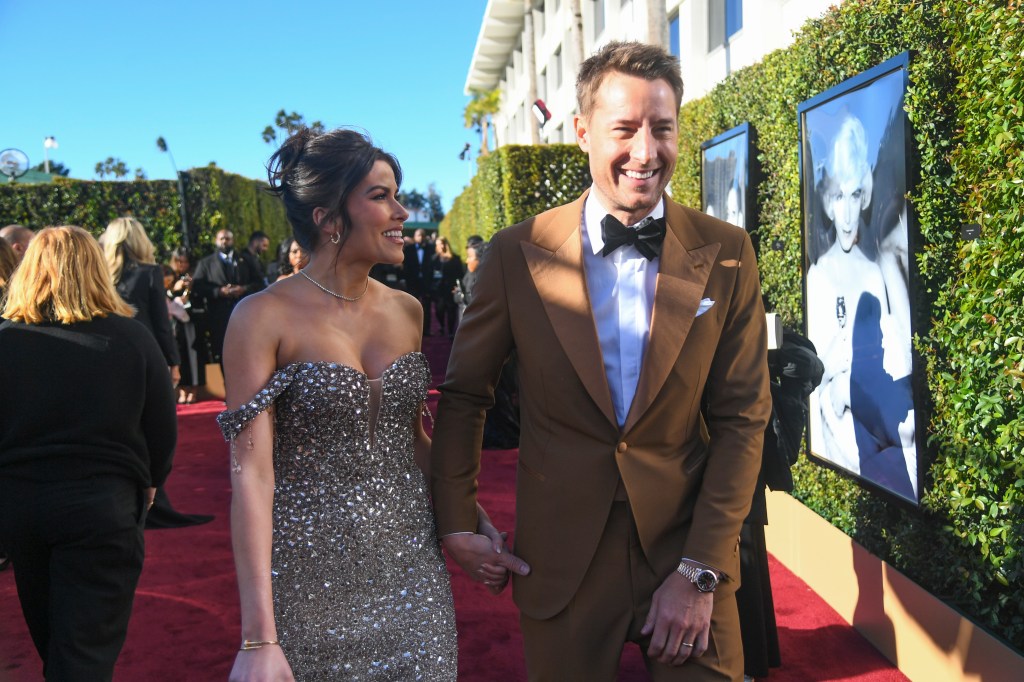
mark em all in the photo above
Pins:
pixel 643 393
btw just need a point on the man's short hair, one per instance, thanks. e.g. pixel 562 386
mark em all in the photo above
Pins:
pixel 650 62
pixel 16 234
pixel 258 236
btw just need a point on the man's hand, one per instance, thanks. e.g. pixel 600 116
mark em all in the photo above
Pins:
pixel 680 615
pixel 485 558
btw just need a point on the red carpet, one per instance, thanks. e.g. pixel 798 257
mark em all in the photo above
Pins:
pixel 185 621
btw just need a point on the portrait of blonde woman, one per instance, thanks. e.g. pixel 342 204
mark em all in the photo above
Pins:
pixel 858 305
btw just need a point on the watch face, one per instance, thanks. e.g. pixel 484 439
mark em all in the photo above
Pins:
pixel 706 581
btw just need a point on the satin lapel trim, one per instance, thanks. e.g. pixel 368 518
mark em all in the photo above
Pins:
pixel 562 285
pixel 682 278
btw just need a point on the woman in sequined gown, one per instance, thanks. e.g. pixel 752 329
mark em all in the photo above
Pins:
pixel 339 568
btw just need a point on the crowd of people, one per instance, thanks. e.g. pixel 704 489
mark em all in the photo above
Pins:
pixel 639 348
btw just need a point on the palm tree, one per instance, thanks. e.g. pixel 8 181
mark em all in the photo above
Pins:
pixel 414 202
pixel 478 114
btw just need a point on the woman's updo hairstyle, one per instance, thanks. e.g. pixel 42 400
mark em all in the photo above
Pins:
pixel 313 170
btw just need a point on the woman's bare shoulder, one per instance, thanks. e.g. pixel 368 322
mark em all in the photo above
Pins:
pixel 403 307
pixel 269 306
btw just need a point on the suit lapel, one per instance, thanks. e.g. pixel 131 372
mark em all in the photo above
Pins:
pixel 683 270
pixel 555 260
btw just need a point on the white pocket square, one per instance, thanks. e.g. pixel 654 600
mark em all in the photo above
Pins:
pixel 705 305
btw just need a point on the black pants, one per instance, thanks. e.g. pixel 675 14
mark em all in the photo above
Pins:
pixel 77 551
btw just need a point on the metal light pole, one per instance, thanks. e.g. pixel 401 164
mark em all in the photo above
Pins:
pixel 161 144
pixel 48 144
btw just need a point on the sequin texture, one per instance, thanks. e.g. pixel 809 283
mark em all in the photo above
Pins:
pixel 360 587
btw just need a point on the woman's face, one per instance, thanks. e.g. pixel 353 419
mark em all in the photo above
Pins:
pixel 179 264
pixel 845 205
pixel 377 218
pixel 297 257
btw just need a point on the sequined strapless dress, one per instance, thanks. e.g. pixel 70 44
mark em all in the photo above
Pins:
pixel 360 587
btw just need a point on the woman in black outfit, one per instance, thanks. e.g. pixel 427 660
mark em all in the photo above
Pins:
pixel 132 266
pixel 83 446
pixel 191 349
pixel 448 272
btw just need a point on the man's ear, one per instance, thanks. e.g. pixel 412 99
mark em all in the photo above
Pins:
pixel 581 126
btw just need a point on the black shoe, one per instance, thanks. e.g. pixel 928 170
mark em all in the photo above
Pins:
pixel 5 561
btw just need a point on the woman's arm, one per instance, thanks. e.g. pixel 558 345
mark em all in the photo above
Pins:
pixel 250 358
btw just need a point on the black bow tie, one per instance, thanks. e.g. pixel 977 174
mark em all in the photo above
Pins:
pixel 647 237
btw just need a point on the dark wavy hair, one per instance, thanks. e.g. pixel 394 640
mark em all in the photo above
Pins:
pixel 313 170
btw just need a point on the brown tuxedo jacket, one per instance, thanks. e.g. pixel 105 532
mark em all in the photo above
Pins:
pixel 689 487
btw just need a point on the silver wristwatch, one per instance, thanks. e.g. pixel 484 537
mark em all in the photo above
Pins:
pixel 703 579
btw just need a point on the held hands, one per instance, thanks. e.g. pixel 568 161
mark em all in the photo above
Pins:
pixel 261 665
pixel 680 615
pixel 483 555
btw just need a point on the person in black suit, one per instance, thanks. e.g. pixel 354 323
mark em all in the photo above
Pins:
pixel 418 270
pixel 132 265
pixel 221 279
pixel 259 244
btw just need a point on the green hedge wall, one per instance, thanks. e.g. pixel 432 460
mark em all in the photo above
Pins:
pixel 213 199
pixel 966 106
pixel 514 183
pixel 964 103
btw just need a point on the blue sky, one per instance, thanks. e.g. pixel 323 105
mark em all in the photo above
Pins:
pixel 107 77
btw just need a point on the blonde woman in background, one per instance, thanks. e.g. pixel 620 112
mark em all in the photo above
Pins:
pixel 79 464
pixel 140 281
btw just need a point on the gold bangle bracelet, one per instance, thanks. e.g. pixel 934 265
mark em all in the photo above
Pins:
pixel 250 644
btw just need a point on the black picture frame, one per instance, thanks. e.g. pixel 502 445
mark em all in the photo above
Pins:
pixel 859 232
pixel 729 175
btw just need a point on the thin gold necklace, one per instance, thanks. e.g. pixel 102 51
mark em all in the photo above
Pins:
pixel 321 287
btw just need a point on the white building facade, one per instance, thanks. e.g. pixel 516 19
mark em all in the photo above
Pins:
pixel 547 39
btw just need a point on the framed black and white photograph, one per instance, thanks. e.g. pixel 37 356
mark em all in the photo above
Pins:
pixel 728 176
pixel 857 234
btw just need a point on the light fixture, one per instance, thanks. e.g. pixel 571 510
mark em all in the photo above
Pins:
pixel 541 112
pixel 49 143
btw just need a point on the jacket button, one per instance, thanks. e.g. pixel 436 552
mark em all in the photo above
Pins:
pixel 622 447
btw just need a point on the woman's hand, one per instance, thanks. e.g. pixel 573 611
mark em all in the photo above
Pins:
pixel 266 664
pixel 495 576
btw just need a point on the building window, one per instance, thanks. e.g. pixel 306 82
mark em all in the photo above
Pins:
pixel 556 68
pixel 542 84
pixel 725 18
pixel 673 35
pixel 598 17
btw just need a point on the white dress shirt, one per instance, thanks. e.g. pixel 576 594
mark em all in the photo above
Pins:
pixel 621 287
